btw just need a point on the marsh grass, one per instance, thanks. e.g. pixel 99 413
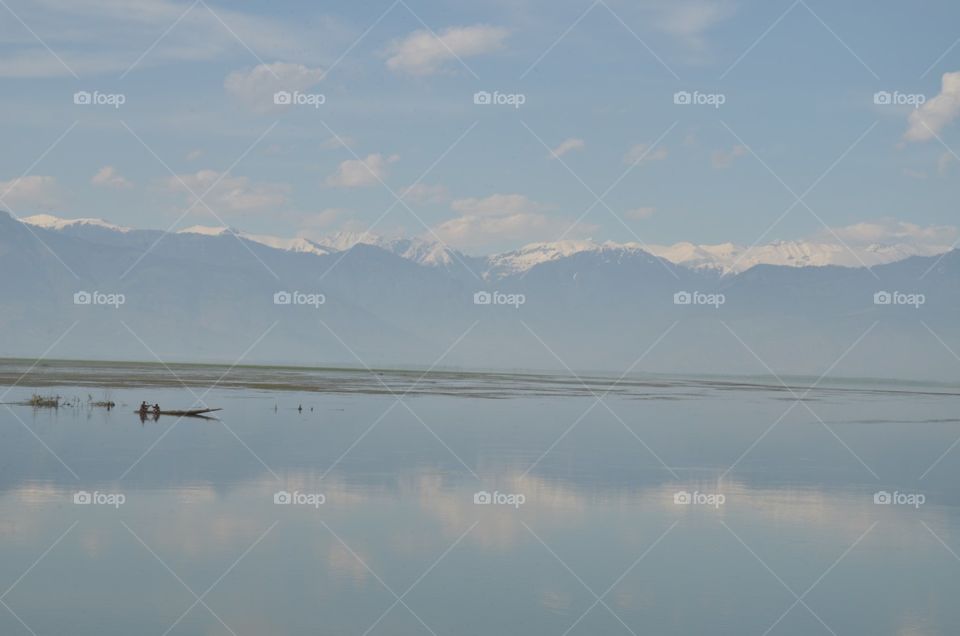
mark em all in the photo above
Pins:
pixel 105 403
pixel 38 401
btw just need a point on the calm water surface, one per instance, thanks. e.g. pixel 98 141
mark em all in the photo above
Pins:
pixel 584 535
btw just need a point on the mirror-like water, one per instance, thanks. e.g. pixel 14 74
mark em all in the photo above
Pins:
pixel 387 530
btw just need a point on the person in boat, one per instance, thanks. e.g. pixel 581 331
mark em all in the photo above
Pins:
pixel 143 407
pixel 156 409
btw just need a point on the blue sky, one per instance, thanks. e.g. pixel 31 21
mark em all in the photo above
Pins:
pixel 598 81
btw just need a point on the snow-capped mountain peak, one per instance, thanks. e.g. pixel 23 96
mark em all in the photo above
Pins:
pixel 297 244
pixel 418 250
pixel 432 253
pixel 207 230
pixel 341 241
pixel 51 222
pixel 529 256
pixel 728 258
pixel 287 244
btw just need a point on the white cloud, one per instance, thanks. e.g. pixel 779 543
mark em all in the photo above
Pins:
pixel 231 194
pixel 423 193
pixel 500 220
pixel 333 143
pixel 109 36
pixel 566 146
pixel 721 159
pixel 689 20
pixel 888 231
pixel 256 87
pixel 638 214
pixel 326 217
pixel 927 121
pixel 423 53
pixel 274 150
pixel 943 163
pixel 107 177
pixel 315 225
pixel 356 226
pixel 361 173
pixel 194 154
pixel 32 192
pixel 473 232
pixel 643 152
pixel 497 205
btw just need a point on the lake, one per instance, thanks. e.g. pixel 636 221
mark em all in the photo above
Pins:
pixel 353 502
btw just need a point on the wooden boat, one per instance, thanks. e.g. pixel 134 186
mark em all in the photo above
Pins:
pixel 186 413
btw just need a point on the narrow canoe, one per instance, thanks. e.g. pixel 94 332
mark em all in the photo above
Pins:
pixel 187 413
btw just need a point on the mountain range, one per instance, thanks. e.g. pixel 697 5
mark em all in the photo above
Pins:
pixel 216 294
pixel 725 258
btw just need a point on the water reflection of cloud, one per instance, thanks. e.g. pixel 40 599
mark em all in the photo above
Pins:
pixel 33 493
pixel 345 565
pixel 198 520
pixel 844 512
pixel 499 528
pixel 91 542
pixel 556 601
pixel 196 494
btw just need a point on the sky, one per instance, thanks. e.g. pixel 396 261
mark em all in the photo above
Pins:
pixel 588 133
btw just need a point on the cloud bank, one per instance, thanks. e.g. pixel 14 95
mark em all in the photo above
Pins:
pixel 423 53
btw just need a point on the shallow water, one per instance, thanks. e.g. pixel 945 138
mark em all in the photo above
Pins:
pixel 785 490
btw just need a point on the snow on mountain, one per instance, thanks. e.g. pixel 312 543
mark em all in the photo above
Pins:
pixel 207 230
pixel 341 241
pixel 302 245
pixel 728 258
pixel 529 256
pixel 724 258
pixel 56 223
pixel 536 253
pixel 418 250
pixel 432 253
